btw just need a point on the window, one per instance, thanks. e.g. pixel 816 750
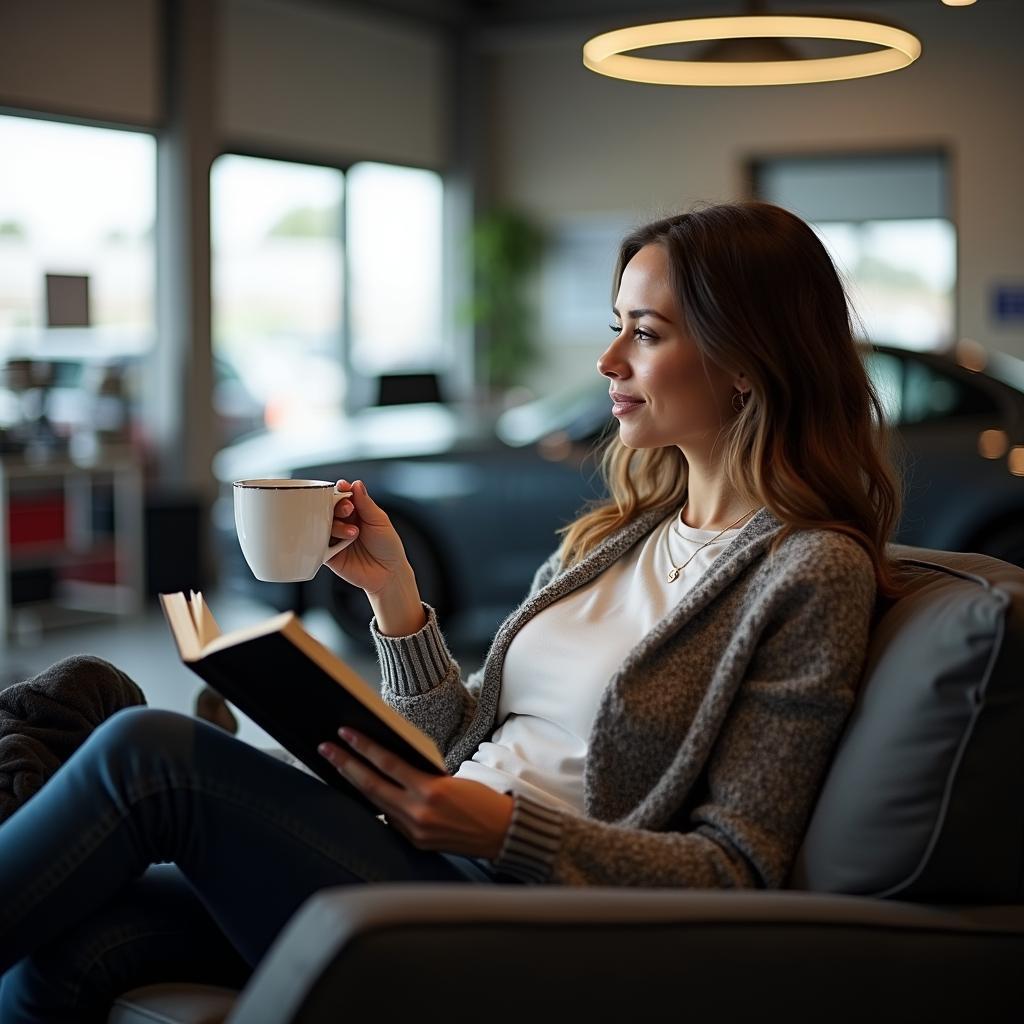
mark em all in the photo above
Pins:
pixel 277 288
pixel 901 275
pixel 394 246
pixel 885 222
pixel 292 245
pixel 78 202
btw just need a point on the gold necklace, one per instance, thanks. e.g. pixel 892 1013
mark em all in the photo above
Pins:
pixel 677 569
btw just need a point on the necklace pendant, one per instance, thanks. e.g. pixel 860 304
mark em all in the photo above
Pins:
pixel 673 575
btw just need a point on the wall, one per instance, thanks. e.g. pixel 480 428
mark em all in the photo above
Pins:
pixel 295 77
pixel 573 143
pixel 331 83
pixel 98 59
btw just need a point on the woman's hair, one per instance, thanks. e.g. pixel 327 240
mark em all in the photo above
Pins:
pixel 761 296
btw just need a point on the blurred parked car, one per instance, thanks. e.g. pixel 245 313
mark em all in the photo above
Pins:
pixel 477 499
pixel 237 411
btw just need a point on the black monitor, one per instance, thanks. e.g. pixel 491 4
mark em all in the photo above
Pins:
pixel 405 388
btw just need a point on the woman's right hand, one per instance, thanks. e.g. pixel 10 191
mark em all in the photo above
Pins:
pixel 374 558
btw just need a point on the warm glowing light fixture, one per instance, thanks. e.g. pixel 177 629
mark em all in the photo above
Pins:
pixel 607 53
pixel 958 3
pixel 993 444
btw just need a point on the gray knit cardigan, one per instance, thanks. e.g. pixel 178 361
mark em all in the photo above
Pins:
pixel 711 739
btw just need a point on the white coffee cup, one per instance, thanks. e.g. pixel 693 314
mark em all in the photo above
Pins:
pixel 284 526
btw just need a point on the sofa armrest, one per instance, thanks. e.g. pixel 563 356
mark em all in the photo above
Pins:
pixel 541 949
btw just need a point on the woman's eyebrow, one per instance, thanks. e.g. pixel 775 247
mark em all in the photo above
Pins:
pixel 635 314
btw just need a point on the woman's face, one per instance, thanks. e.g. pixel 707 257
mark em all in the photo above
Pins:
pixel 653 360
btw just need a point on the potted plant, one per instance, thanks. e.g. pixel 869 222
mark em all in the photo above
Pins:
pixel 507 251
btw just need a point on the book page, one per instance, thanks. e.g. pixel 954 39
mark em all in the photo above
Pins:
pixel 206 624
pixel 238 636
pixel 183 628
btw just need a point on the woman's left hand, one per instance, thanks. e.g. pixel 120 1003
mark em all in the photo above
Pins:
pixel 434 812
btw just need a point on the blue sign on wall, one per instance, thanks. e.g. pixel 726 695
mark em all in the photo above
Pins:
pixel 1008 302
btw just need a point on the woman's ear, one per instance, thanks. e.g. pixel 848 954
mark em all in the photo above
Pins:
pixel 740 383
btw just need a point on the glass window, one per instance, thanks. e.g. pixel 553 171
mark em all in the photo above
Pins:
pixel 393 228
pixel 278 273
pixel 900 275
pixel 76 202
pixel 885 221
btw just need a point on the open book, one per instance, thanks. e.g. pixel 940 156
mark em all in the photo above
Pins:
pixel 293 687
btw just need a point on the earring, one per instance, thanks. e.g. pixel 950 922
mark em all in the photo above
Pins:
pixel 742 396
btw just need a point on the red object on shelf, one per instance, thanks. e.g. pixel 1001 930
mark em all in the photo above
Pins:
pixel 35 521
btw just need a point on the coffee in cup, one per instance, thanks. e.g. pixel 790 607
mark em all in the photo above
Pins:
pixel 284 526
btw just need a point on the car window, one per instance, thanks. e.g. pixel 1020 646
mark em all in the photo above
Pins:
pixel 913 391
pixel 886 373
pixel 929 394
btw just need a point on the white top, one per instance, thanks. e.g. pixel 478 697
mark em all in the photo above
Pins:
pixel 558 665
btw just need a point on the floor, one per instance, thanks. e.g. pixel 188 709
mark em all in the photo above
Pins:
pixel 143 648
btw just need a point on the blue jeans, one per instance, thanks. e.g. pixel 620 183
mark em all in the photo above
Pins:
pixel 239 840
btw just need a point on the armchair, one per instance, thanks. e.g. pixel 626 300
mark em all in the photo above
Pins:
pixel 906 900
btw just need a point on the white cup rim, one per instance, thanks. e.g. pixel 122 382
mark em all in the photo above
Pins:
pixel 281 484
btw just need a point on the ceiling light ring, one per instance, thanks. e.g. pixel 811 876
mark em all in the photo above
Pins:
pixel 606 54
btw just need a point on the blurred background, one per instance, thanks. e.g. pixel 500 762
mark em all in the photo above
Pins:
pixel 325 238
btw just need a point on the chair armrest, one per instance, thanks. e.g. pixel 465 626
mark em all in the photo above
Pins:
pixel 402 945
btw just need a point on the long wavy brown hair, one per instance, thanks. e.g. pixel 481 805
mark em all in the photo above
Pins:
pixel 762 297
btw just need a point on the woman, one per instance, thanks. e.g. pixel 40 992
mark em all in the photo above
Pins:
pixel 660 710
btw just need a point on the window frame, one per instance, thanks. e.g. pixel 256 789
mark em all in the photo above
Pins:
pixel 361 395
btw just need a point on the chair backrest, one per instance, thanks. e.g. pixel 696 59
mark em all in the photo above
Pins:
pixel 924 799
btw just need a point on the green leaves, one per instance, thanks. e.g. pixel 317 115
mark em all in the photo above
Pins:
pixel 507 250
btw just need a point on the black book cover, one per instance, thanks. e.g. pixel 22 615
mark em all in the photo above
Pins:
pixel 288 692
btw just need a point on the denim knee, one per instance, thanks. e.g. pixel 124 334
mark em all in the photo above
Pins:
pixel 145 727
pixel 137 737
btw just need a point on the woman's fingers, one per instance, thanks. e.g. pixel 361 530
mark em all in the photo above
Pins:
pixel 384 761
pixel 340 530
pixel 343 509
pixel 360 503
pixel 361 775
pixel 369 511
pixel 391 799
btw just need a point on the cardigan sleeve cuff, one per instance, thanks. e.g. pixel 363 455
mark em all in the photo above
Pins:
pixel 414 664
pixel 531 842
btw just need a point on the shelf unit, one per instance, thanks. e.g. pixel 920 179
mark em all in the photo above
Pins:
pixel 79 529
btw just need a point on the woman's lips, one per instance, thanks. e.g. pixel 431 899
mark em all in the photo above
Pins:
pixel 621 408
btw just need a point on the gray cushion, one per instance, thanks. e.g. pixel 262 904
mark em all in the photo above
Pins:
pixel 925 796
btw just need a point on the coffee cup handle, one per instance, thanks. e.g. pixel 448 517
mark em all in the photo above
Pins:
pixel 336 546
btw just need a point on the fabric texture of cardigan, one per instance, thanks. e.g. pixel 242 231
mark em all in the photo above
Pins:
pixel 712 738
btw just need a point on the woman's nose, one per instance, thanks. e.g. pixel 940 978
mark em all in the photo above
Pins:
pixel 608 365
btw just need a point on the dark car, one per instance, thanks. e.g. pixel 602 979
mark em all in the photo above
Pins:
pixel 477 499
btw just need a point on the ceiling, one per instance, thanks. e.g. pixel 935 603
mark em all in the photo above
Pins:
pixel 485 14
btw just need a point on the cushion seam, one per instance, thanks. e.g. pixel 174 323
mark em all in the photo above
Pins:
pixel 951 778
